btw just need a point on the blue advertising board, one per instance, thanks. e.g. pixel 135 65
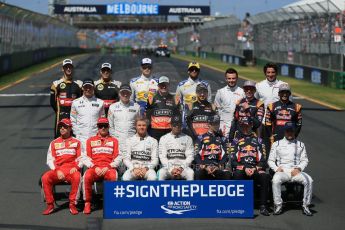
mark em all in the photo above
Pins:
pixel 178 199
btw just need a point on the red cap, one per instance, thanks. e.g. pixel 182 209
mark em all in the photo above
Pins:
pixel 66 122
pixel 103 120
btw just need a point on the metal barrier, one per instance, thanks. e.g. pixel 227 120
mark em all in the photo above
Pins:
pixel 23 30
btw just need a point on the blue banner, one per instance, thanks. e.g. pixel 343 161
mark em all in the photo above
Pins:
pixel 178 199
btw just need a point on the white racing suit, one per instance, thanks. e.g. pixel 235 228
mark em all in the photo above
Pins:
pixel 84 115
pixel 176 152
pixel 289 155
pixel 143 88
pixel 141 153
pixel 122 122
pixel 225 100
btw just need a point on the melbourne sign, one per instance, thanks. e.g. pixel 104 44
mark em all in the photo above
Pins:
pixel 125 8
pixel 178 199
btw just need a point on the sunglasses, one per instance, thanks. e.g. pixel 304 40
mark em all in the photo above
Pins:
pixel 193 70
pixel 146 67
pixel 103 126
pixel 63 126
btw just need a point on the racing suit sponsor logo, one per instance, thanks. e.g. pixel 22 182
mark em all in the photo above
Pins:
pixel 141 155
pixel 200 118
pixel 59 145
pixel 95 143
pixel 100 87
pixel 190 98
pixel 73 144
pixel 176 154
pixel 102 150
pixel 160 122
pixel 162 112
pixel 62 85
pixel 109 143
pixel 61 152
pixel 95 105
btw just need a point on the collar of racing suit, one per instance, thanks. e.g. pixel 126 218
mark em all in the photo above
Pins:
pixel 66 80
pixel 89 98
pixel 141 138
pixel 125 105
pixel 145 78
pixel 193 81
pixel 232 89
pixel 290 141
pixel 271 83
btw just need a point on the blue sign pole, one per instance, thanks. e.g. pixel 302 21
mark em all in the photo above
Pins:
pixel 178 199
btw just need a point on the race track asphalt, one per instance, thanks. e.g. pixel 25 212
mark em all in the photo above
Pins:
pixel 27 128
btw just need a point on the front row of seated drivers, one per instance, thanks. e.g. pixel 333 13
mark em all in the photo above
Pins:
pixel 176 152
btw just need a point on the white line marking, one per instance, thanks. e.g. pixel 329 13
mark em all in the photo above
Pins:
pixel 24 94
pixel 298 98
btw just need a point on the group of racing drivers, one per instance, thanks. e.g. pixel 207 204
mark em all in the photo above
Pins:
pixel 103 125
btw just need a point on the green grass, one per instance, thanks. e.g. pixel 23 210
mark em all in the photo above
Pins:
pixel 335 97
pixel 15 76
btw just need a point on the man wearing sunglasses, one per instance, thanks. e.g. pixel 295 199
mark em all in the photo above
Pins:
pixel 63 92
pixel 84 113
pixel 63 159
pixel 144 85
pixel 186 89
pixel 106 88
pixel 102 160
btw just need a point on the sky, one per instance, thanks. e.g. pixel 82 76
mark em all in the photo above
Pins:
pixel 222 7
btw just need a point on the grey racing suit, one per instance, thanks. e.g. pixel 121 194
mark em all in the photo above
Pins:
pixel 141 153
pixel 289 155
pixel 176 152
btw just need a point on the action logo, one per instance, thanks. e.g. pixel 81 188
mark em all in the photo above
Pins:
pixel 178 207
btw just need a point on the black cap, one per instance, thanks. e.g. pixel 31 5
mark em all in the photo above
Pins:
pixel 213 119
pixel 88 82
pixel 176 121
pixel 201 87
pixel 246 121
pixel 125 87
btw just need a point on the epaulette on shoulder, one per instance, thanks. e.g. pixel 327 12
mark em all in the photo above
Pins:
pixel 134 79
pixel 182 82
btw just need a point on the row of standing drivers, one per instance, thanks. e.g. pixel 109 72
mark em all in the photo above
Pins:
pixel 234 106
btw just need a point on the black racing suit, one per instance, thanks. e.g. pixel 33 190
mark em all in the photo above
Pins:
pixel 159 110
pixel 211 151
pixel 255 112
pixel 108 92
pixel 197 118
pixel 248 152
pixel 62 93
pixel 278 114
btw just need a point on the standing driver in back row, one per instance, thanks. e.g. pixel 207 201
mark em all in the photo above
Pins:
pixel 144 86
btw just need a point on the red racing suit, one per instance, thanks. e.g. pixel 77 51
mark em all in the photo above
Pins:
pixel 101 152
pixel 63 155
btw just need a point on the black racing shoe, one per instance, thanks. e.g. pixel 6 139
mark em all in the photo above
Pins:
pixel 278 209
pixel 306 211
pixel 264 211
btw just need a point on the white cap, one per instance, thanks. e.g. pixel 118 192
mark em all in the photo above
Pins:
pixel 146 61
pixel 163 79
pixel 106 65
pixel 66 62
